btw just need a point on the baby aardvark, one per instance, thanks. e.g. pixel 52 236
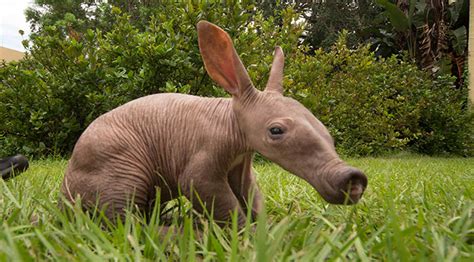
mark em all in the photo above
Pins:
pixel 203 147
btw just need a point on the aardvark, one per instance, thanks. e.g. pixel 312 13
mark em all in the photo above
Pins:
pixel 203 147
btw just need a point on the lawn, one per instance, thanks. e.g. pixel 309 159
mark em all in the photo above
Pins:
pixel 415 208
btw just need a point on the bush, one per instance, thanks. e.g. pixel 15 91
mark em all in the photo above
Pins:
pixel 373 105
pixel 69 78
pixel 446 123
pixel 370 105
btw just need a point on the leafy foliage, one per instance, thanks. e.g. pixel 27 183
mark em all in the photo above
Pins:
pixel 326 19
pixel 74 73
pixel 433 32
pixel 68 80
pixel 373 105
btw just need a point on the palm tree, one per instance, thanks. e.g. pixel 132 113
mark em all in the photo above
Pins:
pixel 433 31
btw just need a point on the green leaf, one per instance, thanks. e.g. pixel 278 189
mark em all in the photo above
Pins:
pixel 460 39
pixel 397 18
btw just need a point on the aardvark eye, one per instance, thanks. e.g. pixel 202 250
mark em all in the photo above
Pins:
pixel 275 131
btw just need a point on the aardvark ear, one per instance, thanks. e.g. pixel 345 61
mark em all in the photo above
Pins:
pixel 221 60
pixel 275 81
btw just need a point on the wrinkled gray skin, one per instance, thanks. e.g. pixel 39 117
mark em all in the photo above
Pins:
pixel 204 146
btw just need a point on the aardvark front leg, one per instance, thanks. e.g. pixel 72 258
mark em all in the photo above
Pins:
pixel 213 194
pixel 243 184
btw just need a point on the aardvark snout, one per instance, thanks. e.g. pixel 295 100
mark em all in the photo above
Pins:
pixel 351 186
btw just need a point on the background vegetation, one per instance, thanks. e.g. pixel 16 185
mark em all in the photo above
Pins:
pixel 87 57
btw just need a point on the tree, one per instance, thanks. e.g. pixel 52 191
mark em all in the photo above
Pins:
pixel 76 16
pixel 433 32
pixel 326 19
pixel 51 12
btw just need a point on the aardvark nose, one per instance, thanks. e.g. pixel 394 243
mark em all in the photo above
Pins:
pixel 353 185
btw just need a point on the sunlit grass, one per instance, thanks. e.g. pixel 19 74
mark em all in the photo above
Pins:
pixel 415 208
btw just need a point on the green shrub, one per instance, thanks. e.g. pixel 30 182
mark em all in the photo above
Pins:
pixel 50 97
pixel 373 105
pixel 69 78
pixel 370 105
pixel 446 123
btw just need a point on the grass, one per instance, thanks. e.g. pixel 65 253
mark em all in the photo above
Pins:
pixel 415 208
